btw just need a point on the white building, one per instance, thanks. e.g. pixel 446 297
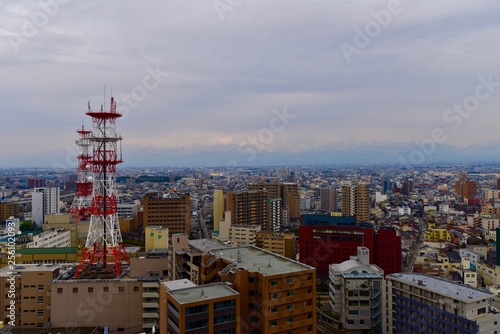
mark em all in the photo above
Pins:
pixel 49 239
pixel 44 201
pixel 356 294
pixel 127 209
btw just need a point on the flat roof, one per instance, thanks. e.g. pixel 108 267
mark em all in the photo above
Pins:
pixel 206 245
pixel 440 286
pixel 6 271
pixel 53 250
pixel 178 284
pixel 255 259
pixel 202 292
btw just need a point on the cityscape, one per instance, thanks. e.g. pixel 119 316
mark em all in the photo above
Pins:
pixel 237 167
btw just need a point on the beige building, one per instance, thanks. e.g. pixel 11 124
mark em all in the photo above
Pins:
pixel 28 286
pixel 218 208
pixel 116 303
pixel 78 231
pixel 156 237
pixel 356 201
pixel 489 273
pixel 281 243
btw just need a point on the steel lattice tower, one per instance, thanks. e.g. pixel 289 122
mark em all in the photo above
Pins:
pixel 83 197
pixel 104 246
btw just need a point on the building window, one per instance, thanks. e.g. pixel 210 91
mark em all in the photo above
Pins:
pixel 274 323
pixel 273 310
pixel 274 295
pixel 289 293
pixel 289 280
pixel 40 288
pixel 289 307
pixel 136 288
pixel 289 320
pixel 59 290
pixel 274 283
pixel 40 300
pixel 120 289
pixel 40 313
pixel 90 289
pixel 105 289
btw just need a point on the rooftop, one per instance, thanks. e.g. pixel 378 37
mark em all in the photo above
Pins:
pixel 28 267
pixel 52 250
pixel 202 292
pixel 206 245
pixel 440 286
pixel 354 268
pixel 255 259
pixel 178 284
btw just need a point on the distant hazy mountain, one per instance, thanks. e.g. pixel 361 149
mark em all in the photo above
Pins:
pixel 234 155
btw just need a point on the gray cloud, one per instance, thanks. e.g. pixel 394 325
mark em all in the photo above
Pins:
pixel 226 77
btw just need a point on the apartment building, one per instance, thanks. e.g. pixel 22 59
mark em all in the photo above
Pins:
pixel 208 309
pixel 29 287
pixel 417 303
pixel 170 211
pixel 281 243
pixel 356 294
pixel 278 295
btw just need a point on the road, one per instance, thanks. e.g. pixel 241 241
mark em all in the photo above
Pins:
pixel 203 226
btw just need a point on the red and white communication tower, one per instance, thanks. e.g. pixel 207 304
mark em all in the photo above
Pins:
pixel 83 197
pixel 104 247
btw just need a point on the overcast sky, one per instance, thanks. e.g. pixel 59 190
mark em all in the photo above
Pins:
pixel 191 74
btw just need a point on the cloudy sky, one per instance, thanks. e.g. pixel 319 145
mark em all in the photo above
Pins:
pixel 285 75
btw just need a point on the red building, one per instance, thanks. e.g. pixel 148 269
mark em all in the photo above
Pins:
pixel 36 183
pixel 324 240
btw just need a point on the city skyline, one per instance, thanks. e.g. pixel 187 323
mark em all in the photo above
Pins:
pixel 252 80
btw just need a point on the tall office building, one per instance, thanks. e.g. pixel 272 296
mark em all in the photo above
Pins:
pixel 248 208
pixel 8 210
pixel 466 188
pixel 218 207
pixel 169 211
pixel 288 192
pixel 44 201
pixel 274 214
pixel 356 201
pixel 407 187
pixel 356 294
pixel 329 199
pixel 417 303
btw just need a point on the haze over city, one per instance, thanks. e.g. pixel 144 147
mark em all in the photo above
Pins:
pixel 253 82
